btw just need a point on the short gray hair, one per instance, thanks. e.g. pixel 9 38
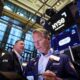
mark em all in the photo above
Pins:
pixel 42 30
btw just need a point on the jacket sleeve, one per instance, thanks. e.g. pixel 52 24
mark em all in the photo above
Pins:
pixel 69 68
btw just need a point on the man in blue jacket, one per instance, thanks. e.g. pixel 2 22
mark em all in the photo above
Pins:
pixel 49 66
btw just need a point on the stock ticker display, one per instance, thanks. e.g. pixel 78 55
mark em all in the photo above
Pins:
pixel 69 37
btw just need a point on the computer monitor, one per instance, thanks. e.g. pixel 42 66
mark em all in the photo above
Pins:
pixel 60 21
pixel 69 37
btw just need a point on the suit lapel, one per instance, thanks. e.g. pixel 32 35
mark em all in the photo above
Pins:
pixel 48 65
pixel 36 64
pixel 16 63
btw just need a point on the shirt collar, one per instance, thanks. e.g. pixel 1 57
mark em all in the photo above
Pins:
pixel 18 55
pixel 49 53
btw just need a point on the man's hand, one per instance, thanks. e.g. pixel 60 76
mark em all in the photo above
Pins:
pixel 49 75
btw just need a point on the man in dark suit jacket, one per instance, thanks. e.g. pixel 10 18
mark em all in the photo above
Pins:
pixel 11 61
pixel 59 66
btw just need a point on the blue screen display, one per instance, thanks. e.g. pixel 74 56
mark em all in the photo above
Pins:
pixel 69 37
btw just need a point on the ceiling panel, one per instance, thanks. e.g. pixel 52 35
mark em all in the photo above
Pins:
pixel 43 9
pixel 34 4
pixel 40 6
pixel 51 2
pixel 61 4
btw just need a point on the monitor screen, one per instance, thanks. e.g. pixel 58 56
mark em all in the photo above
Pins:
pixel 60 21
pixel 69 37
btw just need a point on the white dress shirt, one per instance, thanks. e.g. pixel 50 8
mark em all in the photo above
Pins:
pixel 19 58
pixel 43 61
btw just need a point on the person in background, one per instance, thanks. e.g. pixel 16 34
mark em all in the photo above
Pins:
pixel 11 61
pixel 49 66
